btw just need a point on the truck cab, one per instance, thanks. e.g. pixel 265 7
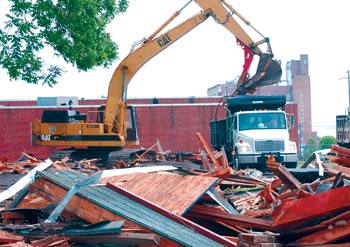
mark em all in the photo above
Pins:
pixel 254 128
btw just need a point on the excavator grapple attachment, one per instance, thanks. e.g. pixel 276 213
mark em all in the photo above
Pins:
pixel 268 72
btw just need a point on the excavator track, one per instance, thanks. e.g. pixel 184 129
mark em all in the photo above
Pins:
pixel 128 156
pixel 107 158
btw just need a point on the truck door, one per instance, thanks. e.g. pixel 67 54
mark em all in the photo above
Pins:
pixel 231 129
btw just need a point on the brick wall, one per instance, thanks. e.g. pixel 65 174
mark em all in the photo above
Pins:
pixel 174 125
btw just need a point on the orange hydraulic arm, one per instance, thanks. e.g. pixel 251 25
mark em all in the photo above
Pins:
pixel 137 58
pixel 222 13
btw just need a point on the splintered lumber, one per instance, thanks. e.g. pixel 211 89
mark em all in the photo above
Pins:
pixel 294 213
pixel 31 158
pixel 286 177
pixel 219 173
pixel 219 159
pixel 208 150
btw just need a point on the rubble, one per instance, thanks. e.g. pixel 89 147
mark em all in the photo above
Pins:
pixel 194 201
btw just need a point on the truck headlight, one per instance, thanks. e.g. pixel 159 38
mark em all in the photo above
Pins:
pixel 292 147
pixel 244 148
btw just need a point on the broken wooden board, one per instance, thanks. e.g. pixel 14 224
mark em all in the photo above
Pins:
pixel 173 192
pixel 286 176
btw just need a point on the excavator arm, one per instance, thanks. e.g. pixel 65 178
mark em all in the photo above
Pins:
pixel 268 71
pixel 137 58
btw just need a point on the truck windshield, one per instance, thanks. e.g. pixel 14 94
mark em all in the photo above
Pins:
pixel 262 120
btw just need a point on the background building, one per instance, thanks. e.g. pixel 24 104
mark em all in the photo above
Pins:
pixel 297 87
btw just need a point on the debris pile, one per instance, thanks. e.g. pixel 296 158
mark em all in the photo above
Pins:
pixel 168 202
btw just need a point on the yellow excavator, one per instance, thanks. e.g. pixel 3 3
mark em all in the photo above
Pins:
pixel 113 126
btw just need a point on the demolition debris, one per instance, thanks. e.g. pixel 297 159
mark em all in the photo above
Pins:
pixel 170 201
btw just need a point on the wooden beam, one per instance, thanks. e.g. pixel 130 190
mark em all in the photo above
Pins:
pixel 295 213
pixel 282 172
pixel 204 212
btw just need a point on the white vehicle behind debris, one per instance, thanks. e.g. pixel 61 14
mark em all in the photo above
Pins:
pixel 254 128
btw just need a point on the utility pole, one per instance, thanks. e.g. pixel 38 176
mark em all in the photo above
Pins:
pixel 348 78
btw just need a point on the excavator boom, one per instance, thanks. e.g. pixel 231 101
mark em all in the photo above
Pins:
pixel 268 71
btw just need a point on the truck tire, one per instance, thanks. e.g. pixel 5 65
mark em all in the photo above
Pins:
pixel 235 161
pixel 291 165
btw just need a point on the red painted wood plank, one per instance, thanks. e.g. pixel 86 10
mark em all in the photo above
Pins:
pixel 329 234
pixel 294 213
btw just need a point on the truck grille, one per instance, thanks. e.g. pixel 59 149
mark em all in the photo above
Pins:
pixel 269 145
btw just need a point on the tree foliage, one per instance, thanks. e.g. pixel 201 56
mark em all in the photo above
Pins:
pixel 326 142
pixel 75 29
pixel 310 147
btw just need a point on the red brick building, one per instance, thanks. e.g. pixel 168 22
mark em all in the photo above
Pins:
pixel 173 121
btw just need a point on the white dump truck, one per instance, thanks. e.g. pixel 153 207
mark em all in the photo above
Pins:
pixel 255 127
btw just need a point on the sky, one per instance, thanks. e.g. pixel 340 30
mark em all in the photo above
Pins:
pixel 208 55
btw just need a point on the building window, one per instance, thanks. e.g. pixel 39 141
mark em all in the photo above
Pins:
pixel 301 119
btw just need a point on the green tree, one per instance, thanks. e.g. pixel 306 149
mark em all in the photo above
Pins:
pixel 75 30
pixel 310 147
pixel 326 142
